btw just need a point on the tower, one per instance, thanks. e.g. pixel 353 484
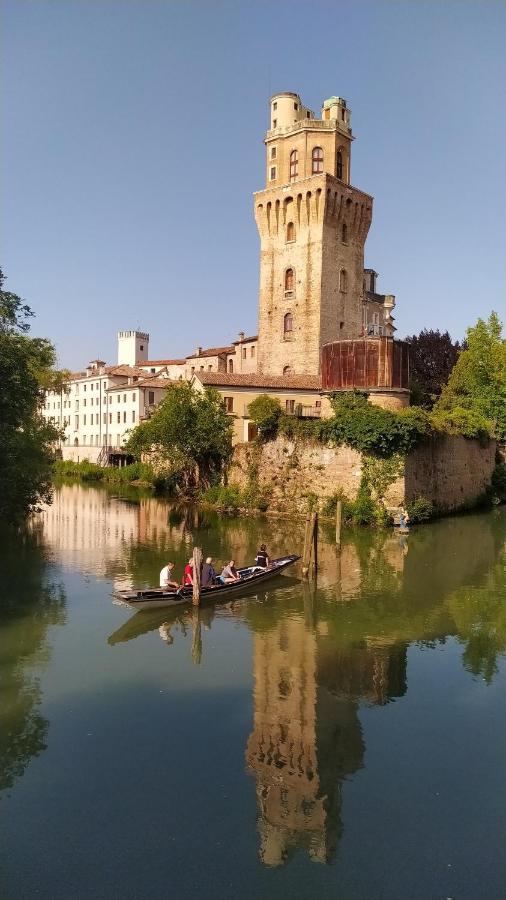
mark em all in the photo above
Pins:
pixel 312 225
pixel 133 347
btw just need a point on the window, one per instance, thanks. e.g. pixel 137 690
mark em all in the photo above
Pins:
pixel 273 173
pixel 288 326
pixel 230 366
pixel 110 418
pixel 244 351
pixel 252 352
pixel 84 402
pixel 151 398
pixel 343 280
pixel 289 281
pixel 118 398
pixel 273 152
pixel 274 106
pixel 209 368
pixel 91 387
pixel 290 232
pixel 295 105
pixel 287 370
pixel 339 164
pixel 124 398
pixel 84 438
pixel 141 346
pixel 202 368
pixel 153 371
pixel 84 387
pixel 294 164
pixel 133 415
pixel 134 395
pixel 84 420
pixel 290 406
pixel 317 160
pixel 274 123
pixel 104 419
pixel 118 417
pixel 229 404
pixel 344 233
pixel 76 425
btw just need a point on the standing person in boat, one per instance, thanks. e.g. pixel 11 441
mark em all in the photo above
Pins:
pixel 208 573
pixel 230 573
pixel 166 581
pixel 262 558
pixel 188 573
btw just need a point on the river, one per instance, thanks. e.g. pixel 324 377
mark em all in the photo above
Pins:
pixel 344 740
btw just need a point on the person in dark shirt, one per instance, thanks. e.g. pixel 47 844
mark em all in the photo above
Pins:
pixel 262 558
pixel 208 573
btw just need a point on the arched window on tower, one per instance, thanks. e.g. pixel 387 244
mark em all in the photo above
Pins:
pixel 339 164
pixel 344 233
pixel 294 164
pixel 343 280
pixel 290 232
pixel 287 370
pixel 317 160
pixel 288 326
pixel 289 281
pixel 231 366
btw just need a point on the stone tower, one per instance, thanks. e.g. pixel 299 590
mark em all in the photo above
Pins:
pixel 133 347
pixel 313 225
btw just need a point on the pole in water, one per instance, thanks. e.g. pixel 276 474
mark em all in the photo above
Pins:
pixel 197 571
pixel 339 522
pixel 310 556
pixel 306 553
pixel 314 524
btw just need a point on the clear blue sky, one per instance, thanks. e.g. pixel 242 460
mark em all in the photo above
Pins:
pixel 133 143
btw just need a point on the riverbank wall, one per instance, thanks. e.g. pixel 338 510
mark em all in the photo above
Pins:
pixel 451 472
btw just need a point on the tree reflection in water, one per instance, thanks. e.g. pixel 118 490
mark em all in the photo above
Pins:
pixel 30 605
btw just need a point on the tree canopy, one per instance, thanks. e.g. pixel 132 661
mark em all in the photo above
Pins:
pixel 477 385
pixel 189 434
pixel 432 357
pixel 26 440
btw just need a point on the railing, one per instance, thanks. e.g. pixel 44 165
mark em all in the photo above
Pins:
pixel 328 124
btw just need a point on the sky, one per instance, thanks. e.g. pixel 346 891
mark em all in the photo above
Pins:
pixel 133 142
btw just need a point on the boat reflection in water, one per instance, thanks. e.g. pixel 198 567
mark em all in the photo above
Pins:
pixel 307 737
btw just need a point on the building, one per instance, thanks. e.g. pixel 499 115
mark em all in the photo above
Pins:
pixel 322 324
pixel 101 405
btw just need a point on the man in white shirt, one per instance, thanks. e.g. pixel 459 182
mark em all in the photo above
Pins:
pixel 165 577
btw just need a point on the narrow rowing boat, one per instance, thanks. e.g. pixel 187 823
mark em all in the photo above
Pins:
pixel 250 577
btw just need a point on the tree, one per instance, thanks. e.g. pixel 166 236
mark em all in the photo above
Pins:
pixel 476 388
pixel 265 412
pixel 26 440
pixel 432 357
pixel 189 434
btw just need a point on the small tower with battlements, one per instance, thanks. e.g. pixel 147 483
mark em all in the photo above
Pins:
pixel 133 347
pixel 312 225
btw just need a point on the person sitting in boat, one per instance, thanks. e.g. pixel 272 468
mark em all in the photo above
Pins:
pixel 166 581
pixel 188 572
pixel 208 573
pixel 229 573
pixel 262 558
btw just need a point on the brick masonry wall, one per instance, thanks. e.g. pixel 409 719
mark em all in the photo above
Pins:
pixel 452 472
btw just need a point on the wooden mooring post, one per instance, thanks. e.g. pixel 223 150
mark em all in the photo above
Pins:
pixel 197 572
pixel 310 552
pixel 196 638
pixel 339 522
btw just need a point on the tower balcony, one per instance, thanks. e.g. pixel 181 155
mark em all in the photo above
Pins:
pixel 309 125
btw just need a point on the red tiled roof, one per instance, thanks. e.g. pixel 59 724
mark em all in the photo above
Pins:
pixel 122 370
pixel 162 362
pixel 211 351
pixel 156 382
pixel 280 382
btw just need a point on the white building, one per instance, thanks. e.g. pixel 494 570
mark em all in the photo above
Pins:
pixel 102 405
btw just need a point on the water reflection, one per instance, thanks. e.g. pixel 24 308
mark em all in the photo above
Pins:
pixel 31 603
pixel 320 653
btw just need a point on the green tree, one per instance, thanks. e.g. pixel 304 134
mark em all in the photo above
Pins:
pixel 476 389
pixel 26 440
pixel 265 412
pixel 189 436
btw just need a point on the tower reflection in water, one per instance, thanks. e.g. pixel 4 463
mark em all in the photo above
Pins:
pixel 307 737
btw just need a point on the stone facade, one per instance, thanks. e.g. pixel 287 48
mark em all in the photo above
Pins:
pixel 312 225
pixel 451 472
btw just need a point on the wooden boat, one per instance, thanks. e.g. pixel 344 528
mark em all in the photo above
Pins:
pixel 250 577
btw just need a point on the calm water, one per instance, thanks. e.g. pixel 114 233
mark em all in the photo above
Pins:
pixel 346 741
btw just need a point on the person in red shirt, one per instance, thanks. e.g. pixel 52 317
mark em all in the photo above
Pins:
pixel 188 572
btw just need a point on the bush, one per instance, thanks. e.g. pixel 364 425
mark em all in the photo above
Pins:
pixel 265 412
pixel 372 429
pixel 468 422
pixel 420 510
pixel 87 471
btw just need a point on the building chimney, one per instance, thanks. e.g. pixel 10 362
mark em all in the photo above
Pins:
pixel 199 351
pixel 241 336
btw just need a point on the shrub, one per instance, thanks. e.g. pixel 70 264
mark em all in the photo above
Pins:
pixel 420 510
pixel 372 429
pixel 468 422
pixel 265 412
